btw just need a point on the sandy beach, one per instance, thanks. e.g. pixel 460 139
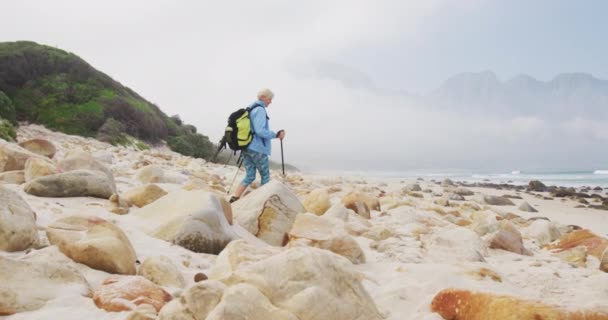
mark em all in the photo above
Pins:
pixel 413 238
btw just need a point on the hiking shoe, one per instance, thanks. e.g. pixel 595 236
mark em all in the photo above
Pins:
pixel 233 199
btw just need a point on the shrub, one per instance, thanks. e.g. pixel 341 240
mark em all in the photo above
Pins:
pixel 7 131
pixel 112 132
pixel 7 111
pixel 194 145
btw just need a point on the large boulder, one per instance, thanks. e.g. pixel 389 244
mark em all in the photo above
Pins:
pixel 144 195
pixel 162 271
pixel 82 160
pixel 458 304
pixel 257 283
pixel 94 242
pixel 412 187
pixel 537 186
pixel 595 244
pixel 508 238
pixel 36 167
pixel 28 285
pixel 268 212
pixel 123 294
pixel 17 222
pixel 325 233
pixel 12 177
pixel 453 244
pixel 13 157
pixel 195 220
pixel 78 183
pixel 525 206
pixel 317 201
pixel 493 200
pixel 542 231
pixel 39 146
pixel 361 203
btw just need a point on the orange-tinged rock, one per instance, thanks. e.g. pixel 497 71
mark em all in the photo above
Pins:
pixel 595 244
pixel 455 304
pixel 124 293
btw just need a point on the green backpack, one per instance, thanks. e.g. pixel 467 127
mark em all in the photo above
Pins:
pixel 239 132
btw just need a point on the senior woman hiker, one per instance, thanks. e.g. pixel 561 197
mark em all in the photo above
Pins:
pixel 255 157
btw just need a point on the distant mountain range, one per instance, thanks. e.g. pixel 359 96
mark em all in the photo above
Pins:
pixel 567 95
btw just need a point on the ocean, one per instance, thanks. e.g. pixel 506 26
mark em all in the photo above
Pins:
pixel 566 178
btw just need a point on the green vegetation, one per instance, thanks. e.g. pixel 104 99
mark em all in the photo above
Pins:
pixel 7 131
pixel 46 85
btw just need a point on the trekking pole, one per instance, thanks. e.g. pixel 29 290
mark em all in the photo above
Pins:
pixel 282 159
pixel 239 162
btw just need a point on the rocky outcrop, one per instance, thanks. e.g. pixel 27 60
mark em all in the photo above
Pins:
pixel 28 285
pixel 195 220
pixel 17 222
pixel 317 201
pixel 455 304
pixel 268 283
pixel 123 294
pixel 94 242
pixel 268 212
pixel 78 183
pixel 39 146
pixel 325 233
pixel 162 271
pixel 144 195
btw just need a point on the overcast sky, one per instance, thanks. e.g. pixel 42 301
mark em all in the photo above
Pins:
pixel 338 69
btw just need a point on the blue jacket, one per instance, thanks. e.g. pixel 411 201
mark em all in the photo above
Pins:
pixel 262 135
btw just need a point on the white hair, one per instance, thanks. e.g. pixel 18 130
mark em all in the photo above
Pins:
pixel 265 93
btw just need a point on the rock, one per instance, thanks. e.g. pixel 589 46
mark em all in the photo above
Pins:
pixel 104 157
pixel 563 192
pixel 493 200
pixel 604 261
pixel 447 183
pixel 28 285
pixel 13 157
pixel 456 304
pixel 17 222
pixel 162 271
pixel 200 277
pixel 119 205
pixel 143 311
pixel 122 294
pixel 442 202
pixel 459 191
pixel 81 160
pixel 144 195
pixel 537 186
pixel 525 206
pixel 542 231
pixel 325 233
pixel 576 256
pixel 337 211
pixel 510 196
pixel 78 183
pixel 297 283
pixel 36 167
pixel 412 187
pixel 453 196
pixel 595 244
pixel 268 212
pixel 361 203
pixel 195 220
pixel 12 177
pixel 508 238
pixel 94 242
pixel 317 202
pixel 39 146
pixel 151 174
pixel 454 244
pixel 598 189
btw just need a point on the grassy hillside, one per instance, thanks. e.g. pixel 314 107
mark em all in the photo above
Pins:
pixel 46 85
